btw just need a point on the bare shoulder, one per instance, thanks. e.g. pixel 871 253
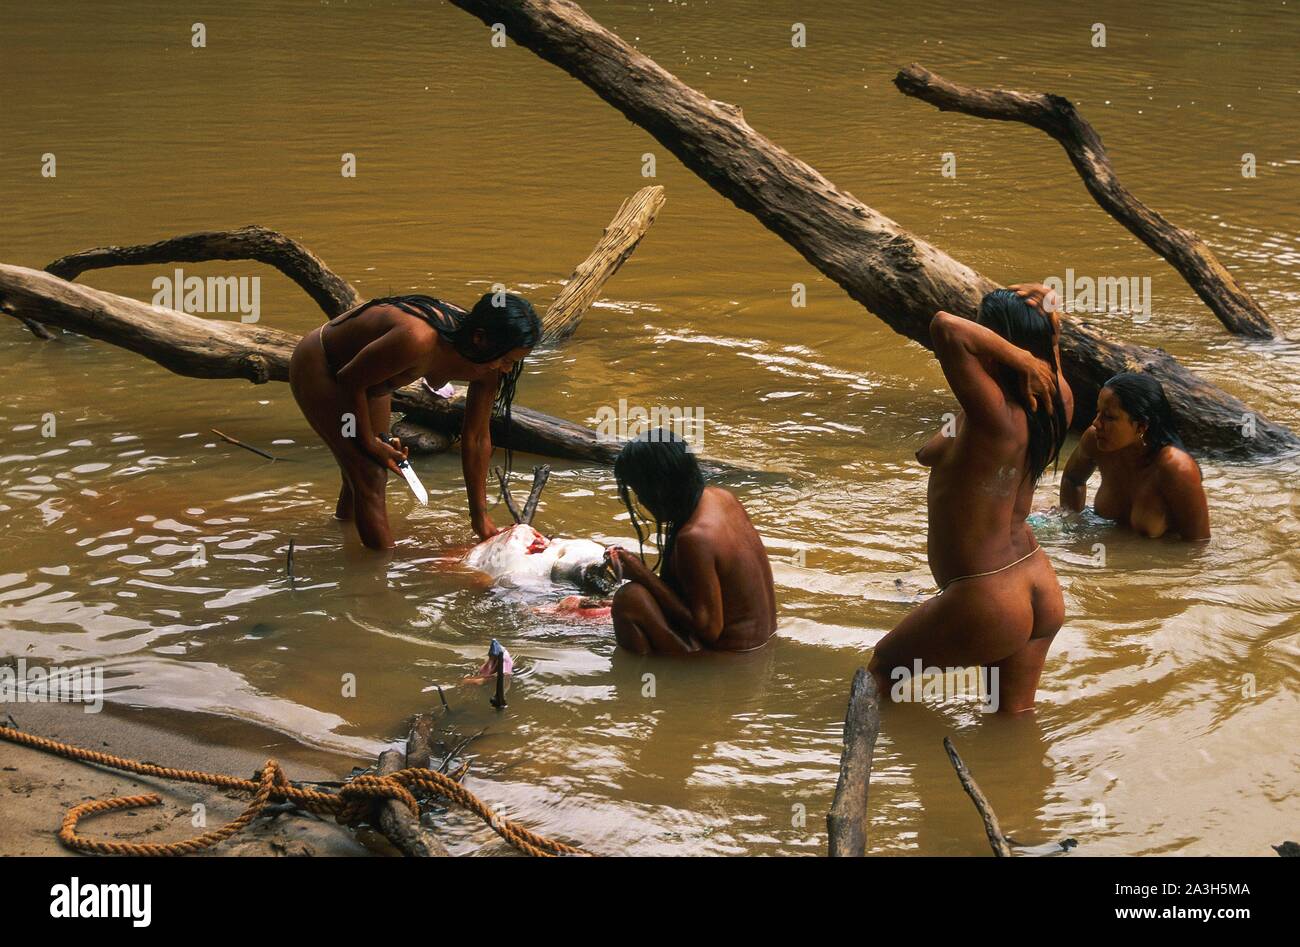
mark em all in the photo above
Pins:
pixel 1176 466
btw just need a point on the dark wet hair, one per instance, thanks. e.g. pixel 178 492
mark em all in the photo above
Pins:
pixel 508 325
pixel 1143 399
pixel 1015 320
pixel 667 480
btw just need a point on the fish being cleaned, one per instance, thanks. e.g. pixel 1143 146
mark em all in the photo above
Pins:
pixel 521 557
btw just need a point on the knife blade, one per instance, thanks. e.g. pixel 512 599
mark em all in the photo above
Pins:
pixel 412 481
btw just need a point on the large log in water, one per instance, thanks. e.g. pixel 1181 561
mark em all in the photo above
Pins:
pixel 896 275
pixel 214 348
pixel 211 348
pixel 1057 116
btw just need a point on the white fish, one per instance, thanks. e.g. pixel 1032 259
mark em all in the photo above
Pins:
pixel 521 557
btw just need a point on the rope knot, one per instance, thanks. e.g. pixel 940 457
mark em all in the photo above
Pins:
pixel 358 799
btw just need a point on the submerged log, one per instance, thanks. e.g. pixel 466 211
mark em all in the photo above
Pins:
pixel 1057 116
pixel 846 823
pixel 896 275
pixel 419 439
pixel 616 244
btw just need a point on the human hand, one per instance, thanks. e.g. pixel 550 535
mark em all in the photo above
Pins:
pixel 388 453
pixel 1037 380
pixel 483 526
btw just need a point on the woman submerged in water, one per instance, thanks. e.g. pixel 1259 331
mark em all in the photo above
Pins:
pixel 343 375
pixel 1148 480
pixel 714 590
pixel 999 604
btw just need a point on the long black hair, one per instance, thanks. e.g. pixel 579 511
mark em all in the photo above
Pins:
pixel 1015 320
pixel 1143 399
pixel 506 324
pixel 667 481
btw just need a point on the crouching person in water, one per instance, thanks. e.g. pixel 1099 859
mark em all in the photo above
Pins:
pixel 1149 482
pixel 343 375
pixel 999 604
pixel 714 589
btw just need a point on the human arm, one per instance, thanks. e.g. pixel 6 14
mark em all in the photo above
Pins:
pixel 962 346
pixel 476 454
pixel 1074 481
pixel 369 375
pixel 1184 495
pixel 699 613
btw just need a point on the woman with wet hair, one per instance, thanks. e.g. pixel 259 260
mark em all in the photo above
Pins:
pixel 711 587
pixel 1149 482
pixel 999 604
pixel 343 375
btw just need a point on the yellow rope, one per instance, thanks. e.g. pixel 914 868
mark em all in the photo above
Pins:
pixel 355 801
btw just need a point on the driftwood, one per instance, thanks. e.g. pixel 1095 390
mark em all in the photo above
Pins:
pixel 540 475
pixel 1001 847
pixel 1057 116
pixel 238 443
pixel 846 823
pixel 419 742
pixel 213 348
pixel 331 292
pixel 398 824
pixel 583 287
pixel 506 494
pixel 896 275
pixel 419 439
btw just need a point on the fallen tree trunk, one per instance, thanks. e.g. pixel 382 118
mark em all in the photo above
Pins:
pixel 213 348
pixel 1057 116
pixel 616 244
pixel 846 823
pixel 898 276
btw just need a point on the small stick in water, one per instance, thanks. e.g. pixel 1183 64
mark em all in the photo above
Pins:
pixel 289 563
pixel 230 440
pixel 505 495
pixel 991 826
pixel 540 474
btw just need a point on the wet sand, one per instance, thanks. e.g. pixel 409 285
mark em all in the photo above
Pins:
pixel 37 788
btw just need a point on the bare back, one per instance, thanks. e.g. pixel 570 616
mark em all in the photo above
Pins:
pixel 720 532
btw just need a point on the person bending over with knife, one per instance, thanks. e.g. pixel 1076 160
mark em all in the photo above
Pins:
pixel 343 375
pixel 713 590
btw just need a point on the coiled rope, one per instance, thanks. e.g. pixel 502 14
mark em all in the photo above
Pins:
pixel 355 802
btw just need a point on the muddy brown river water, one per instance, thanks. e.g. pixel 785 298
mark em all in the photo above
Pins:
pixel 1168 717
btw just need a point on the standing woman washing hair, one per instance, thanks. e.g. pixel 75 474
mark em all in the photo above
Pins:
pixel 999 604
pixel 1148 480
pixel 714 589
pixel 343 375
